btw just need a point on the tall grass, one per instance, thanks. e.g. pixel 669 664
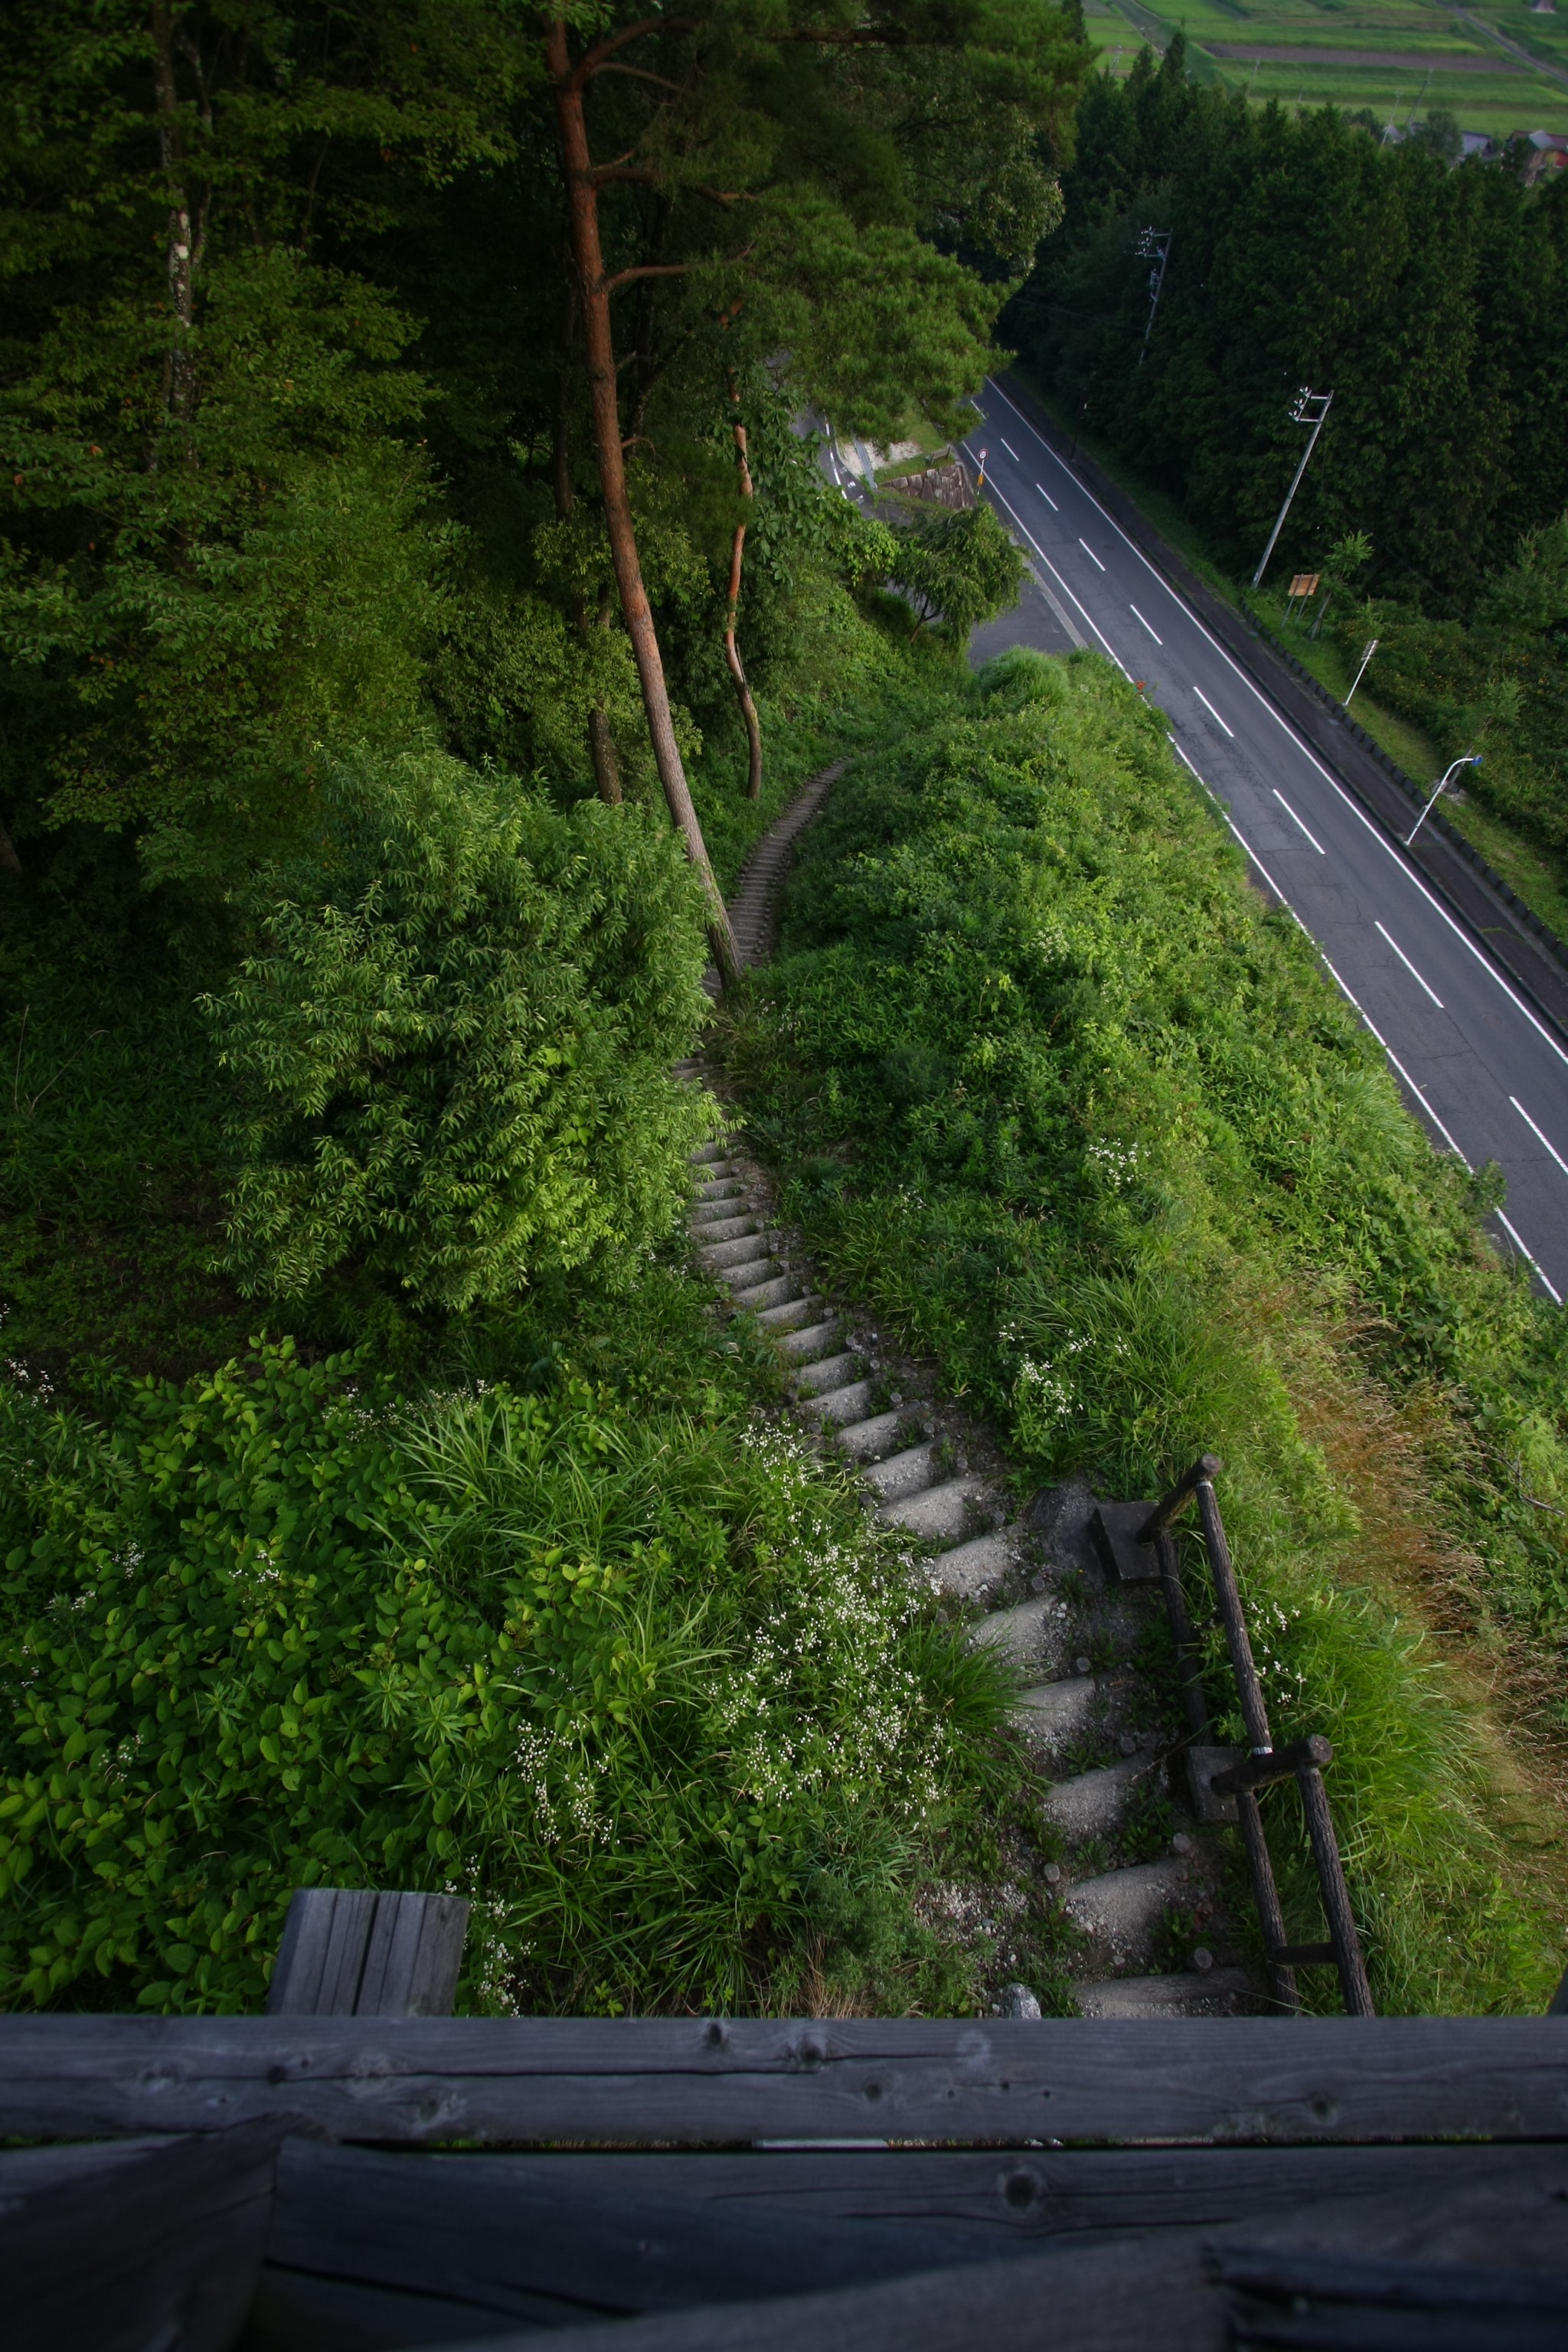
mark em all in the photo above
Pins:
pixel 1055 1096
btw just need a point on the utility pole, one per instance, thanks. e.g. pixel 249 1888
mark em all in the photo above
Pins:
pixel 1310 408
pixel 1154 246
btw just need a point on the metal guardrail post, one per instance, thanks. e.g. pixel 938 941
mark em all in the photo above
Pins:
pixel 1302 1762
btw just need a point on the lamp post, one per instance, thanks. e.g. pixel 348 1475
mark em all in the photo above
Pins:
pixel 1471 759
pixel 1310 408
pixel 1367 654
pixel 1154 245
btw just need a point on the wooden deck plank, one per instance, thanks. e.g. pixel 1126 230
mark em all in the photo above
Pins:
pixel 693 2081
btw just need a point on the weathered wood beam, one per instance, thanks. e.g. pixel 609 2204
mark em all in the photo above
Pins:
pixel 694 2082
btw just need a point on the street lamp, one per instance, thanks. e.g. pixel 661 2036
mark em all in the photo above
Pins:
pixel 1154 245
pixel 1471 759
pixel 1311 408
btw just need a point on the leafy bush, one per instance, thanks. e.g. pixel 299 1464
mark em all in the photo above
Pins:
pixel 1058 1097
pixel 960 563
pixel 645 1686
pixel 452 1046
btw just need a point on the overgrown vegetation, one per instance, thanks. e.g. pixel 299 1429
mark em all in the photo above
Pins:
pixel 378 1505
pixel 1055 1094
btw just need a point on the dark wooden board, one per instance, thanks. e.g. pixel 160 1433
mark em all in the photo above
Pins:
pixel 1023 2194
pixel 554 2241
pixel 1480 2270
pixel 111 2255
pixel 358 1952
pixel 694 2082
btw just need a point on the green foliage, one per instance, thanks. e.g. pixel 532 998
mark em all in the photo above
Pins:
pixel 962 563
pixel 1058 1098
pixel 452 1047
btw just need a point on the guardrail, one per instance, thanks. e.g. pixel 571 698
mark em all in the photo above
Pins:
pixel 1264 1766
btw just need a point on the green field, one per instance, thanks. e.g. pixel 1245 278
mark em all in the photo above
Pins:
pixel 1401 58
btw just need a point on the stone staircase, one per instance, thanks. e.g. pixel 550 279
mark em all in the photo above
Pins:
pixel 1036 1584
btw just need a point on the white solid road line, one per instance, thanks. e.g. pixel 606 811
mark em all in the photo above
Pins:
pixel 1137 616
pixel 1212 713
pixel 1536 1132
pixel 1056 576
pixel 1556 1296
pixel 1296 820
pixel 1404 1073
pixel 1306 751
pixel 1410 967
pixel 1048 497
pixel 1092 555
pixel 1011 452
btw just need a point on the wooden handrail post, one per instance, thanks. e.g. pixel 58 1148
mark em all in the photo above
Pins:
pixel 1348 1957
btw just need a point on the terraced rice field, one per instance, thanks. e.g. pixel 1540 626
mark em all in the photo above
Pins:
pixel 1495 64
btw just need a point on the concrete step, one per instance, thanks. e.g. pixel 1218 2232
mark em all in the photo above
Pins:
pixel 792 1314
pixel 708 1153
pixel 826 1374
pixel 837 1408
pixel 1095 1803
pixel 769 1290
pixel 868 1441
pixel 749 1273
pixel 1122 1910
pixel 915 1471
pixel 723 1229
pixel 974 1570
pixel 1222 1992
pixel 1052 1714
pixel 721 1257
pixel 720 1188
pixel 944 1513
pixel 808 1346
pixel 1027 1635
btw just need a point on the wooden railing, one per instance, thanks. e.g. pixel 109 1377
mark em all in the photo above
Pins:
pixel 1303 1761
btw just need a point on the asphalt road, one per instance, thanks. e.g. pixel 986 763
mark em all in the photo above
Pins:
pixel 1483 1070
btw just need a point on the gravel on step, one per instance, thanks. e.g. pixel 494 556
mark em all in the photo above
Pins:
pixel 826 1374
pixel 1121 1909
pixel 840 1408
pixel 943 1513
pixel 870 1440
pixel 808 1346
pixel 1052 1714
pixel 911 1472
pixel 1223 1993
pixel 1092 1804
pixel 769 1289
pixel 973 1571
pixel 724 1258
pixel 1025 1635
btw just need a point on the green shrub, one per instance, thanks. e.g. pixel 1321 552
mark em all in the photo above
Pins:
pixel 452 1046
pixel 643 1684
pixel 1057 1095
pixel 960 564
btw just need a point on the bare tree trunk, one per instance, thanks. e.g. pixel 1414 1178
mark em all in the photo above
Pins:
pixel 9 861
pixel 731 651
pixel 182 245
pixel 601 739
pixel 594 292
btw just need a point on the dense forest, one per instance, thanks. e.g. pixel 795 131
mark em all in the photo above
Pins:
pixel 406 526
pixel 1433 301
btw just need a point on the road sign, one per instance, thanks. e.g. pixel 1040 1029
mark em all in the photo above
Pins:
pixel 1305 583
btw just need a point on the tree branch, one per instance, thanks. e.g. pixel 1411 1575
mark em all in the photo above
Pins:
pixel 594 60
pixel 649 269
pixel 642 74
